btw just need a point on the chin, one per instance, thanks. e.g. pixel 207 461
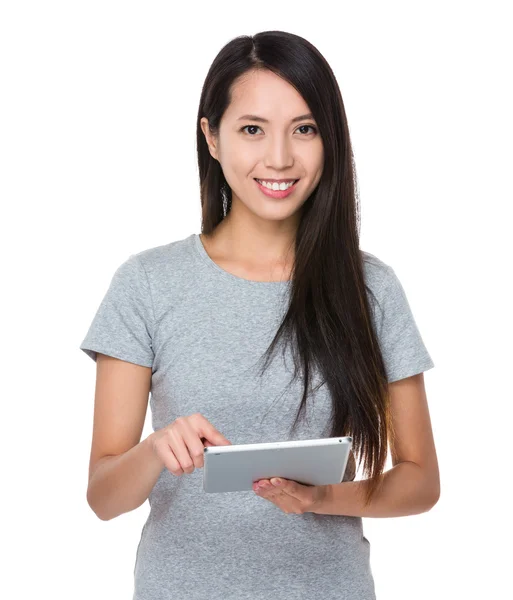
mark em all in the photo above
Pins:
pixel 275 213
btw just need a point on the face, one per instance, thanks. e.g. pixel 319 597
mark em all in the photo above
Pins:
pixel 280 148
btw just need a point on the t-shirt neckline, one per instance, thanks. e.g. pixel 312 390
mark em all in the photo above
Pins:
pixel 205 257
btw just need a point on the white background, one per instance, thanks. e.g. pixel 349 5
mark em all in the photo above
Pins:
pixel 98 161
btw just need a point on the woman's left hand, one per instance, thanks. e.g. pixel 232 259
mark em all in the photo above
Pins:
pixel 291 496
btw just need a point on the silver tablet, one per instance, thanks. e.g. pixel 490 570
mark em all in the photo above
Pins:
pixel 236 467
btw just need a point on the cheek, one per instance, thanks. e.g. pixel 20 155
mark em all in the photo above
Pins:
pixel 316 160
pixel 239 166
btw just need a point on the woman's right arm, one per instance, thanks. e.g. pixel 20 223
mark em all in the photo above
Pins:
pixel 122 469
pixel 122 483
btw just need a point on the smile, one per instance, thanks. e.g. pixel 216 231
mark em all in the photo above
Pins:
pixel 277 193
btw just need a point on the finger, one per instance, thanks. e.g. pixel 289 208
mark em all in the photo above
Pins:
pixel 186 446
pixel 208 431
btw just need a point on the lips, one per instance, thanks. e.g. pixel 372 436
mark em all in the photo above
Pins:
pixel 275 181
pixel 277 194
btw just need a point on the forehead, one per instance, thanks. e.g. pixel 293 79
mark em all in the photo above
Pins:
pixel 265 94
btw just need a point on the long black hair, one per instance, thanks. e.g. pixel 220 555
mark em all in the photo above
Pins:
pixel 328 322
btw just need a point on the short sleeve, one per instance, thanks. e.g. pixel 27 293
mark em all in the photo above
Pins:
pixel 123 324
pixel 401 343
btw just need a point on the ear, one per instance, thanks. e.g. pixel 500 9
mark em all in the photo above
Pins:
pixel 210 138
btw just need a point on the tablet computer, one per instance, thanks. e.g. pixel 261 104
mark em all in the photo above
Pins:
pixel 234 468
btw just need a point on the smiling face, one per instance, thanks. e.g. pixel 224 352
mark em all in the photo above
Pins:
pixel 278 148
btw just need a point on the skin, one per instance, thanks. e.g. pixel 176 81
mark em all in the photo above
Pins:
pixel 255 241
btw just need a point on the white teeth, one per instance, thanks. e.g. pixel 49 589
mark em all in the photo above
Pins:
pixel 276 185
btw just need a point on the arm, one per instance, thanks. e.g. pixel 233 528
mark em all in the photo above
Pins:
pixel 122 483
pixel 406 490
pixel 123 470
pixel 412 485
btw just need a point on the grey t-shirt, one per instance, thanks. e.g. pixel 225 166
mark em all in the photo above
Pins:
pixel 202 331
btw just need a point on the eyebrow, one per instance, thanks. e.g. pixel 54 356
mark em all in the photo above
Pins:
pixel 262 120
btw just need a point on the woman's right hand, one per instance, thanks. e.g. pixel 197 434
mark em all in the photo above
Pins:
pixel 180 445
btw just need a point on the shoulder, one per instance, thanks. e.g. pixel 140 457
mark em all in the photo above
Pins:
pixel 377 273
pixel 171 260
pixel 167 273
pixel 163 255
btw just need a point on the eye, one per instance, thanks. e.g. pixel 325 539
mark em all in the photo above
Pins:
pixel 257 127
pixel 252 126
pixel 310 126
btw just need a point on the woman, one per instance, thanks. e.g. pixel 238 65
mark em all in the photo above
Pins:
pixel 276 267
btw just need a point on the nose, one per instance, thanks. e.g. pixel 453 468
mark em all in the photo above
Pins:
pixel 278 153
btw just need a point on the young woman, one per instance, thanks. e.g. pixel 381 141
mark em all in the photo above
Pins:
pixel 270 325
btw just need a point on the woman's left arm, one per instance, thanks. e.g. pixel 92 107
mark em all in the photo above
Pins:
pixel 412 485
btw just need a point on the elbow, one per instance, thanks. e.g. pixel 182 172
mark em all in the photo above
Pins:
pixel 431 486
pixel 435 488
pixel 94 508
pixel 429 490
pixel 436 496
pixel 433 495
pixel 101 517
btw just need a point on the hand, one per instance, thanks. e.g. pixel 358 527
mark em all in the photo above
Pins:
pixel 180 446
pixel 291 496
